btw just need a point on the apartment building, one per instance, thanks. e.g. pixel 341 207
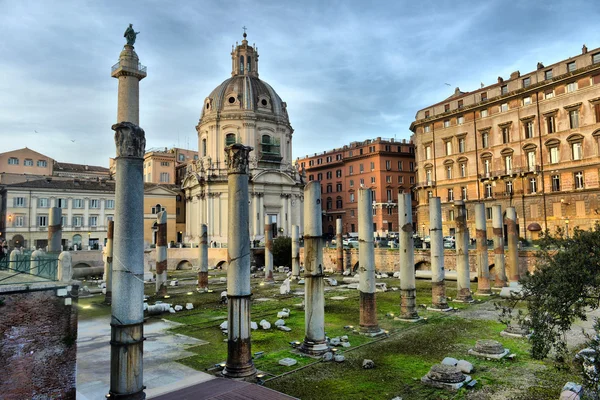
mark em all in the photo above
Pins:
pixel 386 166
pixel 530 141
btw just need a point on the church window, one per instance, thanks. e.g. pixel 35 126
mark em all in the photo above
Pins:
pixel 229 139
pixel 203 147
pixel 248 64
pixel 241 64
pixel 231 100
pixel 264 102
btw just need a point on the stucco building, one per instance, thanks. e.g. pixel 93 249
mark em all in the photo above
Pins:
pixel 530 141
pixel 243 109
pixel 386 166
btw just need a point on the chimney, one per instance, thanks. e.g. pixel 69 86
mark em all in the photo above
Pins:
pixel 540 65
pixel 500 80
pixel 584 49
pixel 515 75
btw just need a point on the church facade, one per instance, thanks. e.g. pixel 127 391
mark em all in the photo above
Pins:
pixel 243 109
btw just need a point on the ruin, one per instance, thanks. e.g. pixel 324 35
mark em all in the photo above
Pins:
pixel 161 253
pixel 463 283
pixel 445 376
pixel 408 291
pixel 108 259
pixel 483 266
pixel 498 232
pixel 268 250
pixel 438 285
pixel 490 349
pixel 203 259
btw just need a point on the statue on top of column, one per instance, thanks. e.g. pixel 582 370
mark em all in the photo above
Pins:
pixel 130 35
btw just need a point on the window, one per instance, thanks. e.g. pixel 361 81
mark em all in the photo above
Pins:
pixel 77 203
pixel 503 107
pixel 448 171
pixel 351 197
pixel 43 202
pixel 597 112
pixel 77 221
pixel 508 186
pixel 428 152
pixel 19 221
pixel 505 135
pixel 426 128
pixel 388 165
pixel 338 187
pixel 351 170
pixel 338 173
pixel 488 191
pixel 446 107
pixel 550 124
pixel 448 145
pixel 94 203
pixel 526 82
pixel 328 159
pixel 485 140
pixel 463 169
pixel 462 145
pixel 533 185
pixel 400 179
pixel 42 220
pixel 329 203
pixel 362 182
pixel 531 160
pixel 229 139
pixel 571 87
pixel 13 161
pixel 157 208
pixel 311 177
pixel 528 129
pixel 351 183
pixel 508 162
pixel 548 74
pixel 412 180
pixel 372 166
pixel 576 151
pixel 389 195
pixel 487 163
pixel 93 221
pixel 361 168
pixel 460 104
pixel 329 174
pixel 28 162
pixel 373 196
pixel 329 188
pixel 204 148
pixel 460 120
pixel 426 114
pixel 61 203
pixel 488 213
pixel 319 176
pixel 19 202
pixel 571 66
pixel 446 123
pixel 578 180
pixel 549 94
pixel 339 203
pixel 164 177
pixel 164 163
pixel 373 179
pixel 554 156
pixel 338 157
pixel 182 157
pixel 574 119
pixel 450 215
pixel 503 89
pixel 463 191
pixel 411 166
pixel 428 176
pixel 110 204
pixel 388 179
pixel 484 113
pixel 312 162
pixel 483 96
pixel 555 183
pixel 527 100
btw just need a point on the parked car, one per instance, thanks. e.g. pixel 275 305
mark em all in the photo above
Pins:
pixel 449 244
pixel 449 239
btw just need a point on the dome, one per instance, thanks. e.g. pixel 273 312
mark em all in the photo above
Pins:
pixel 245 93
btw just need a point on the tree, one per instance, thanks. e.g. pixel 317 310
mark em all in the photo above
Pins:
pixel 282 251
pixel 563 288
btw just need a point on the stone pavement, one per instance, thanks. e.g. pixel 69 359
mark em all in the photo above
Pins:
pixel 161 348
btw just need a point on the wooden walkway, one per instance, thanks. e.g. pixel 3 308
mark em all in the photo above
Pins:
pixel 225 389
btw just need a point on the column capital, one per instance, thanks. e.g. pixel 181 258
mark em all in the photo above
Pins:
pixel 236 158
pixel 130 140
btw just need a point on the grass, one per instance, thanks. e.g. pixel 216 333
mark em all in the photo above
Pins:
pixel 401 359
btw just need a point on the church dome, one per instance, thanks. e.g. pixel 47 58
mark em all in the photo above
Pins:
pixel 244 91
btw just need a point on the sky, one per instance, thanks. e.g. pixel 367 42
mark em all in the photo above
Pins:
pixel 348 70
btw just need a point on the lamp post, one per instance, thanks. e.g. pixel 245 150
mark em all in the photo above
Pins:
pixel 567 226
pixel 89 238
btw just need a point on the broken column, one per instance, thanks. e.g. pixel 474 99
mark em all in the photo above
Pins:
pixel 339 244
pixel 483 265
pixel 127 333
pixel 65 267
pixel 268 249
pixel 366 264
pixel 408 290
pixel 498 232
pixel 55 230
pixel 108 253
pixel 203 259
pixel 161 253
pixel 314 296
pixel 295 252
pixel 438 285
pixel 239 355
pixel 513 240
pixel 463 275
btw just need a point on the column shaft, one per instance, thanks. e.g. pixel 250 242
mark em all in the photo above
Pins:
pixel 408 291
pixel 295 252
pixel 161 253
pixel 483 265
pixel 513 240
pixel 203 258
pixel 339 245
pixel 498 231
pixel 438 285
pixel 268 250
pixel 108 251
pixel 463 280
pixel 55 230
pixel 366 263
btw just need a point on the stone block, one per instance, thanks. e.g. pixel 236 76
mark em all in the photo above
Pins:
pixel 279 322
pixel 178 307
pixel 287 362
pixel 328 356
pixel 284 328
pixel 368 364
pixel 189 306
pixel 253 325
pixel 465 366
pixel 265 324
pixel 339 358
pixel 223 325
pixel 450 361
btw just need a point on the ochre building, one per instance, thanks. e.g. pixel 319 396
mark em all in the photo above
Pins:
pixel 386 166
pixel 531 141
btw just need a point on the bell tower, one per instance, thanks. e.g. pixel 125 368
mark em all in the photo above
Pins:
pixel 244 59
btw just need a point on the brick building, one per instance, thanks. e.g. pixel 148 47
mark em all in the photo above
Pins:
pixel 531 141
pixel 386 166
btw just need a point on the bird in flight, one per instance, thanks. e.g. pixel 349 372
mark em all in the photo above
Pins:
pixel 73 140
pixel 35 131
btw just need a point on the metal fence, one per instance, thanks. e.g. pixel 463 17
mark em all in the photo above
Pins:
pixel 22 270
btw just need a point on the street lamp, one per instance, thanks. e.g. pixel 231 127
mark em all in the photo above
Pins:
pixel 567 226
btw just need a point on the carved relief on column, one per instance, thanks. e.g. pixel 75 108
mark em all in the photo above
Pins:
pixel 236 158
pixel 130 140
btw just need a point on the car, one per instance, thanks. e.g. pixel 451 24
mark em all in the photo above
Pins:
pixel 449 239
pixel 351 242
pixel 427 239
pixel 448 245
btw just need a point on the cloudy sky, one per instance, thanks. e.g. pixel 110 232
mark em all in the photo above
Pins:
pixel 348 70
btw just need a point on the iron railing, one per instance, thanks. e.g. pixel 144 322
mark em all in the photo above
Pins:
pixel 19 270
pixel 140 67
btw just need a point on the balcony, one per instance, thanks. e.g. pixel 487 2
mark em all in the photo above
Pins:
pixel 137 70
pixel 425 184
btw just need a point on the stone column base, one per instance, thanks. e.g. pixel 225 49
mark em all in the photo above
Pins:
pixel 314 348
pixel 239 354
pixel 438 297
pixel 464 296
pixel 203 280
pixel 408 304
pixel 368 313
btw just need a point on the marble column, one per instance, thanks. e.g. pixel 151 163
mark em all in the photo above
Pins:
pixel 295 252
pixel 408 289
pixel 239 355
pixel 366 263
pixel 108 251
pixel 513 240
pixel 256 215
pixel 268 250
pixel 55 230
pixel 314 295
pixel 438 285
pixel 463 280
pixel 498 232
pixel 127 329
pixel 339 244
pixel 203 259
pixel 483 265
pixel 161 253
pixel 65 267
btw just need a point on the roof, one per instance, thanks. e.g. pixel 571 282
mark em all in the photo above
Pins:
pixel 66 184
pixel 80 168
pixel 29 150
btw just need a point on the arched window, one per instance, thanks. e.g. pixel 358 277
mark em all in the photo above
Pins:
pixel 249 64
pixel 241 64
pixel 203 147
pixel 229 139
pixel 339 203
pixel 157 208
pixel 266 144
